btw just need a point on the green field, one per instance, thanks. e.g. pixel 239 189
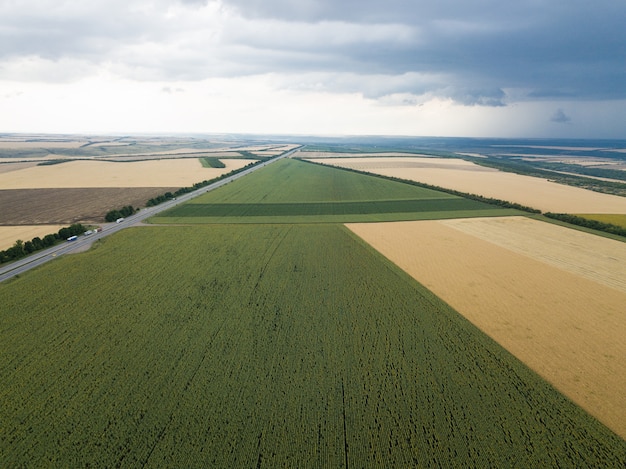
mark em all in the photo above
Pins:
pixel 292 191
pixel 264 346
pixel 211 162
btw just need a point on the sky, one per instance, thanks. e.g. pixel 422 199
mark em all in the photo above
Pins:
pixel 475 68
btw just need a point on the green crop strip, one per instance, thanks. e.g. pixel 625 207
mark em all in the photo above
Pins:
pixel 264 345
pixel 295 181
pixel 294 191
pixel 325 208
pixel 211 162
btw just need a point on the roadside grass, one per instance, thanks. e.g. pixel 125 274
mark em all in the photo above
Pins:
pixel 264 345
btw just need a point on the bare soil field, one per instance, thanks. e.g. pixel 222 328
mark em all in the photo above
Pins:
pixel 566 327
pixel 180 172
pixel 67 206
pixel 10 234
pixel 471 178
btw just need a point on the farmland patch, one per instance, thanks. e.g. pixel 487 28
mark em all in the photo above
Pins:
pixel 180 172
pixel 67 206
pixel 234 346
pixel 613 219
pixel 558 317
pixel 290 190
pixel 10 234
pixel 599 259
pixel 468 177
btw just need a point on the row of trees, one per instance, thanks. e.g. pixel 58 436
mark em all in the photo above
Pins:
pixel 120 213
pixel 21 248
pixel 587 223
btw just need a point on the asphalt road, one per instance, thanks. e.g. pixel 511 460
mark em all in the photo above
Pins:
pixel 83 242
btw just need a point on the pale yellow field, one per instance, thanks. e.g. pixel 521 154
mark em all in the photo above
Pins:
pixel 599 259
pixel 180 172
pixel 23 145
pixel 468 177
pixel 170 154
pixel 11 166
pixel 10 234
pixel 351 156
pixel 568 328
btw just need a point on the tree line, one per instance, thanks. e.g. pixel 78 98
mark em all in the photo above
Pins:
pixel 126 211
pixel 21 249
pixel 587 223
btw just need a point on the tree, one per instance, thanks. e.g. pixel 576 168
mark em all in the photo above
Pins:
pixel 49 240
pixel 113 215
pixel 17 250
pixel 38 243
pixel 64 233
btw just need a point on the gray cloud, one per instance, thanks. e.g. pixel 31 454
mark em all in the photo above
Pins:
pixel 470 51
pixel 560 117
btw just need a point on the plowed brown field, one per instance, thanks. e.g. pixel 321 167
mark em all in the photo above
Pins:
pixel 564 325
pixel 67 206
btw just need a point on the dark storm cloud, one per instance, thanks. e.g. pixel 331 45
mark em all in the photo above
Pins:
pixel 474 52
pixel 560 117
pixel 551 49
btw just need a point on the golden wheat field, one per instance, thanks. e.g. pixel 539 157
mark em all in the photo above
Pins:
pixel 9 234
pixel 536 300
pixel 179 172
pixel 468 177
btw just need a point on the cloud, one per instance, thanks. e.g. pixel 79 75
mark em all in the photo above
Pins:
pixel 560 117
pixel 170 90
pixel 485 53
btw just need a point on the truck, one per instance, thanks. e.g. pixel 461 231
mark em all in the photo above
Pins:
pixel 72 238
